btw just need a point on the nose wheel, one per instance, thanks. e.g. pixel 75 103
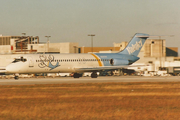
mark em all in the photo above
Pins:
pixel 16 77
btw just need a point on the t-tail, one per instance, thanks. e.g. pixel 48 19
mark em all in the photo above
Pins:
pixel 135 45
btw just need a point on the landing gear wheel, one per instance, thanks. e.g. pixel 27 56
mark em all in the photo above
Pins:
pixel 76 75
pixel 16 77
pixel 94 75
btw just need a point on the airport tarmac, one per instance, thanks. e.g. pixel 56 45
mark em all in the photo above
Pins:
pixel 67 80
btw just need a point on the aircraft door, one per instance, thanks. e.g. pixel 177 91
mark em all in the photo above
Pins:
pixel 31 63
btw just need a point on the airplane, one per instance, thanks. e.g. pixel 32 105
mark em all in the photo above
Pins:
pixel 78 63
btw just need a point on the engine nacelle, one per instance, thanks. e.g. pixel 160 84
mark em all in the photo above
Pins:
pixel 117 62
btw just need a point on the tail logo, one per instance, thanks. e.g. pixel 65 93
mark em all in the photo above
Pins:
pixel 135 47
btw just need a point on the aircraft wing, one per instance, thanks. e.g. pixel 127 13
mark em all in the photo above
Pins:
pixel 91 69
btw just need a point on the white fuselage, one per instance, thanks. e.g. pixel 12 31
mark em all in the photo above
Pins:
pixel 53 63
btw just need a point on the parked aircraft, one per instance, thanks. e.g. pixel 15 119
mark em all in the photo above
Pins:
pixel 78 63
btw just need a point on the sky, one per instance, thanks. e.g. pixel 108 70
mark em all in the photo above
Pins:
pixel 110 20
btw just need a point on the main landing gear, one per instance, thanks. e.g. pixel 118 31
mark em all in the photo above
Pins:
pixel 77 75
pixel 94 75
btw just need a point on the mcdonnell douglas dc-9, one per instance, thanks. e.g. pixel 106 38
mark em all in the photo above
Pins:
pixel 78 63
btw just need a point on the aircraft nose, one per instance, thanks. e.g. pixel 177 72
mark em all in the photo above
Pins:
pixel 10 69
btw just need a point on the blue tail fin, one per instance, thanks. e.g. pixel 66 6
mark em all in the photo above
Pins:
pixel 135 45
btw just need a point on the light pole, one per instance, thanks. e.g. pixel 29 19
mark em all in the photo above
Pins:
pixel 48 43
pixel 91 41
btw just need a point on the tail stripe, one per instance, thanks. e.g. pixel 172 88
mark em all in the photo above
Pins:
pixel 99 62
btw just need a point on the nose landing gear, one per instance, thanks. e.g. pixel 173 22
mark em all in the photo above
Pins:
pixel 16 77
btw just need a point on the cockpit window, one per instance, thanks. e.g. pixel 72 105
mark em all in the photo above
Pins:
pixel 19 59
pixel 16 60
